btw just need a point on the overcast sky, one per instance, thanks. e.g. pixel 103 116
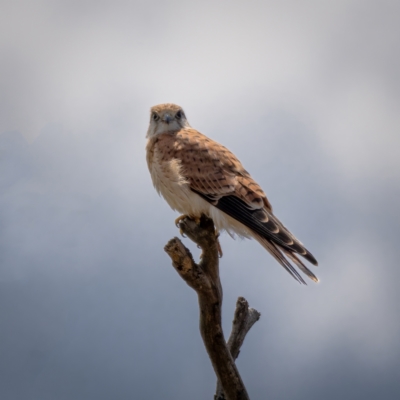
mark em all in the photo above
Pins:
pixel 307 95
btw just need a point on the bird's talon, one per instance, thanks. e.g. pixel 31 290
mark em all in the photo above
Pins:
pixel 219 248
pixel 179 219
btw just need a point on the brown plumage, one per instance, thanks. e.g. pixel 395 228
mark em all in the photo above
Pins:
pixel 198 175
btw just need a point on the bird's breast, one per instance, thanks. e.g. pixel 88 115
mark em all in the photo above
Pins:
pixel 172 185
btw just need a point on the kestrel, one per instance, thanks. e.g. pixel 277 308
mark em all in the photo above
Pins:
pixel 197 175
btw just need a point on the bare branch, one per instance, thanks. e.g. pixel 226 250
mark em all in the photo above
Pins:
pixel 204 279
pixel 245 317
pixel 243 320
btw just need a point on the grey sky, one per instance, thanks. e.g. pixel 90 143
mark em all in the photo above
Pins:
pixel 306 94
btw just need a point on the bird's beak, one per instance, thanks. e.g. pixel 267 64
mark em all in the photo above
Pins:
pixel 167 118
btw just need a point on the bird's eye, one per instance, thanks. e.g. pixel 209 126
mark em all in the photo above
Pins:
pixel 155 117
pixel 179 114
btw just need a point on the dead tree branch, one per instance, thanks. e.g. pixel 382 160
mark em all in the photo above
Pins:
pixel 244 318
pixel 204 279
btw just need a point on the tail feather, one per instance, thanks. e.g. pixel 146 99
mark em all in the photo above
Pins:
pixel 262 223
pixel 267 230
pixel 300 264
pixel 276 253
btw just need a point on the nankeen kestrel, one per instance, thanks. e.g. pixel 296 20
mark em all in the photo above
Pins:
pixel 198 176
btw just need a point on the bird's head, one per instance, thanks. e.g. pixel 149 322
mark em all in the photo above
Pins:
pixel 166 117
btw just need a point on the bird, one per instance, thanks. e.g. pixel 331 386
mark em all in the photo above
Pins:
pixel 198 176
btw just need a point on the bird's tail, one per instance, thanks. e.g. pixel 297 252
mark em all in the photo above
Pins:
pixel 279 253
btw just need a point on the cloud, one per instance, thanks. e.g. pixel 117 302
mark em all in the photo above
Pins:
pixel 305 94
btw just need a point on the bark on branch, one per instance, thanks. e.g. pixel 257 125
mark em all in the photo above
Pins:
pixel 245 317
pixel 204 279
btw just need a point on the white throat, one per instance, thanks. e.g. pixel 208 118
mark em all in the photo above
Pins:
pixel 156 128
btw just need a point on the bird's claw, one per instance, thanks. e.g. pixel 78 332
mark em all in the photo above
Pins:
pixel 182 217
pixel 196 219
pixel 219 248
pixel 220 253
pixel 179 219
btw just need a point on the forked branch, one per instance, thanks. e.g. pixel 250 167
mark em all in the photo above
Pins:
pixel 204 279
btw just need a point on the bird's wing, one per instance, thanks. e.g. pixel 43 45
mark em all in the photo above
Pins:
pixel 217 175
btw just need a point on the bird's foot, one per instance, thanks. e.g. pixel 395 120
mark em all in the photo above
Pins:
pixel 219 248
pixel 179 219
pixel 182 217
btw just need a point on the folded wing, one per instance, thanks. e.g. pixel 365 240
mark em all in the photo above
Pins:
pixel 215 174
